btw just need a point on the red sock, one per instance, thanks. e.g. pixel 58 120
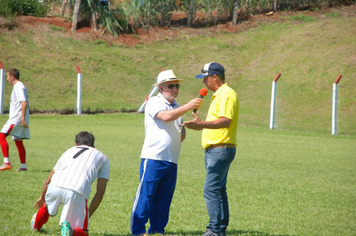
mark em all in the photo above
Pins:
pixel 41 217
pixel 79 232
pixel 4 145
pixel 22 151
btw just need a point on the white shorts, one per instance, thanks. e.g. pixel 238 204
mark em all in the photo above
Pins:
pixel 17 131
pixel 75 207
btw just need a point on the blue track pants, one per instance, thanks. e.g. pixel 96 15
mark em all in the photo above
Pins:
pixel 154 196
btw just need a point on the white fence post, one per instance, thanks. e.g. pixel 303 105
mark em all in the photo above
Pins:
pixel 2 84
pixel 153 92
pixel 79 91
pixel 334 106
pixel 273 101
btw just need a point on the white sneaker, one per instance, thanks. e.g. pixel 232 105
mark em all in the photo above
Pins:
pixel 33 221
pixel 6 167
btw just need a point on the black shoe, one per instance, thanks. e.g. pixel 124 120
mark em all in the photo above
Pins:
pixel 222 233
pixel 208 232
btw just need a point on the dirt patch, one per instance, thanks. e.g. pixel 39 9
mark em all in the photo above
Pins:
pixel 176 29
pixel 145 35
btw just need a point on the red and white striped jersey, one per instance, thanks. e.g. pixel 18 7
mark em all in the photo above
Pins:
pixel 78 168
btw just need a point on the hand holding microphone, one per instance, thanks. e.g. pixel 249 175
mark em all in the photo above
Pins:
pixel 203 92
pixel 196 123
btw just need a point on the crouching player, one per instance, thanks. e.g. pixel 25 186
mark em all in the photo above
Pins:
pixel 69 184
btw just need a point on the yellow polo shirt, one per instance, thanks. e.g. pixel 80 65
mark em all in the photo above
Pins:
pixel 224 103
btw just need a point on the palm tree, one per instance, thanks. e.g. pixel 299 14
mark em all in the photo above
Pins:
pixel 99 15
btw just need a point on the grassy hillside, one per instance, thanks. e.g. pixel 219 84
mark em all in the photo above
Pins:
pixel 309 52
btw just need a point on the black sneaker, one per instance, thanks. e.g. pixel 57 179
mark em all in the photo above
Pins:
pixel 208 232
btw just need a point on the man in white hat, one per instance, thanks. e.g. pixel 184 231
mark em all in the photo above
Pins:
pixel 159 155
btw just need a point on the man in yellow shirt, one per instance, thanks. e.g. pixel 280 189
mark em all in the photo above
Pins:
pixel 219 142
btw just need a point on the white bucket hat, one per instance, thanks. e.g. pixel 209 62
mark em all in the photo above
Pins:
pixel 166 76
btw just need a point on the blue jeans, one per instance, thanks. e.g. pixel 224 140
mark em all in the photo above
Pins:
pixel 217 164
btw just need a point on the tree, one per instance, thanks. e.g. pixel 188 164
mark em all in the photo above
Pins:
pixel 235 12
pixel 75 14
pixel 191 11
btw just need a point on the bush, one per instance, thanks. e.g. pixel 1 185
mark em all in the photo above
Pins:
pixel 110 19
pixel 27 7
pixel 5 10
pixel 113 20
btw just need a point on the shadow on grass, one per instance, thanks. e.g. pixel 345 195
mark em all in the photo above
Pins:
pixel 228 232
pixel 187 233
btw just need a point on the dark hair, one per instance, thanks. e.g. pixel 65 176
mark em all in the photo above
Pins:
pixel 221 77
pixel 85 138
pixel 15 72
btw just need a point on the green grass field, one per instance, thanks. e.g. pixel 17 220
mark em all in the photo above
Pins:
pixel 295 180
pixel 281 182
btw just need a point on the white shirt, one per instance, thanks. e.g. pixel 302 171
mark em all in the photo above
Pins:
pixel 19 94
pixel 78 168
pixel 162 139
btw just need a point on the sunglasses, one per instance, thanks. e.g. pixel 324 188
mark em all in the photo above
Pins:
pixel 171 86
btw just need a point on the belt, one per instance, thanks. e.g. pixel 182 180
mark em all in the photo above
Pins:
pixel 220 145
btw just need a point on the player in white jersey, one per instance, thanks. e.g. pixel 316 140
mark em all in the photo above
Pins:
pixel 69 184
pixel 18 123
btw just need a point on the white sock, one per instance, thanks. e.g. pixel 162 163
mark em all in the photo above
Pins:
pixel 6 160
pixel 23 166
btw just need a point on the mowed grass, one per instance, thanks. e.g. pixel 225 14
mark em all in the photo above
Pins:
pixel 294 180
pixel 310 52
pixel 281 183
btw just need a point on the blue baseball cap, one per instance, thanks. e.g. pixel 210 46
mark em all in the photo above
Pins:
pixel 212 68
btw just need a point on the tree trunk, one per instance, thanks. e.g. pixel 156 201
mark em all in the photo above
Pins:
pixel 76 15
pixel 63 8
pixel 190 16
pixel 217 18
pixel 94 22
pixel 275 5
pixel 91 17
pixel 235 14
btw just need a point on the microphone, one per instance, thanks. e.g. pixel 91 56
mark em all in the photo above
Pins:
pixel 203 92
